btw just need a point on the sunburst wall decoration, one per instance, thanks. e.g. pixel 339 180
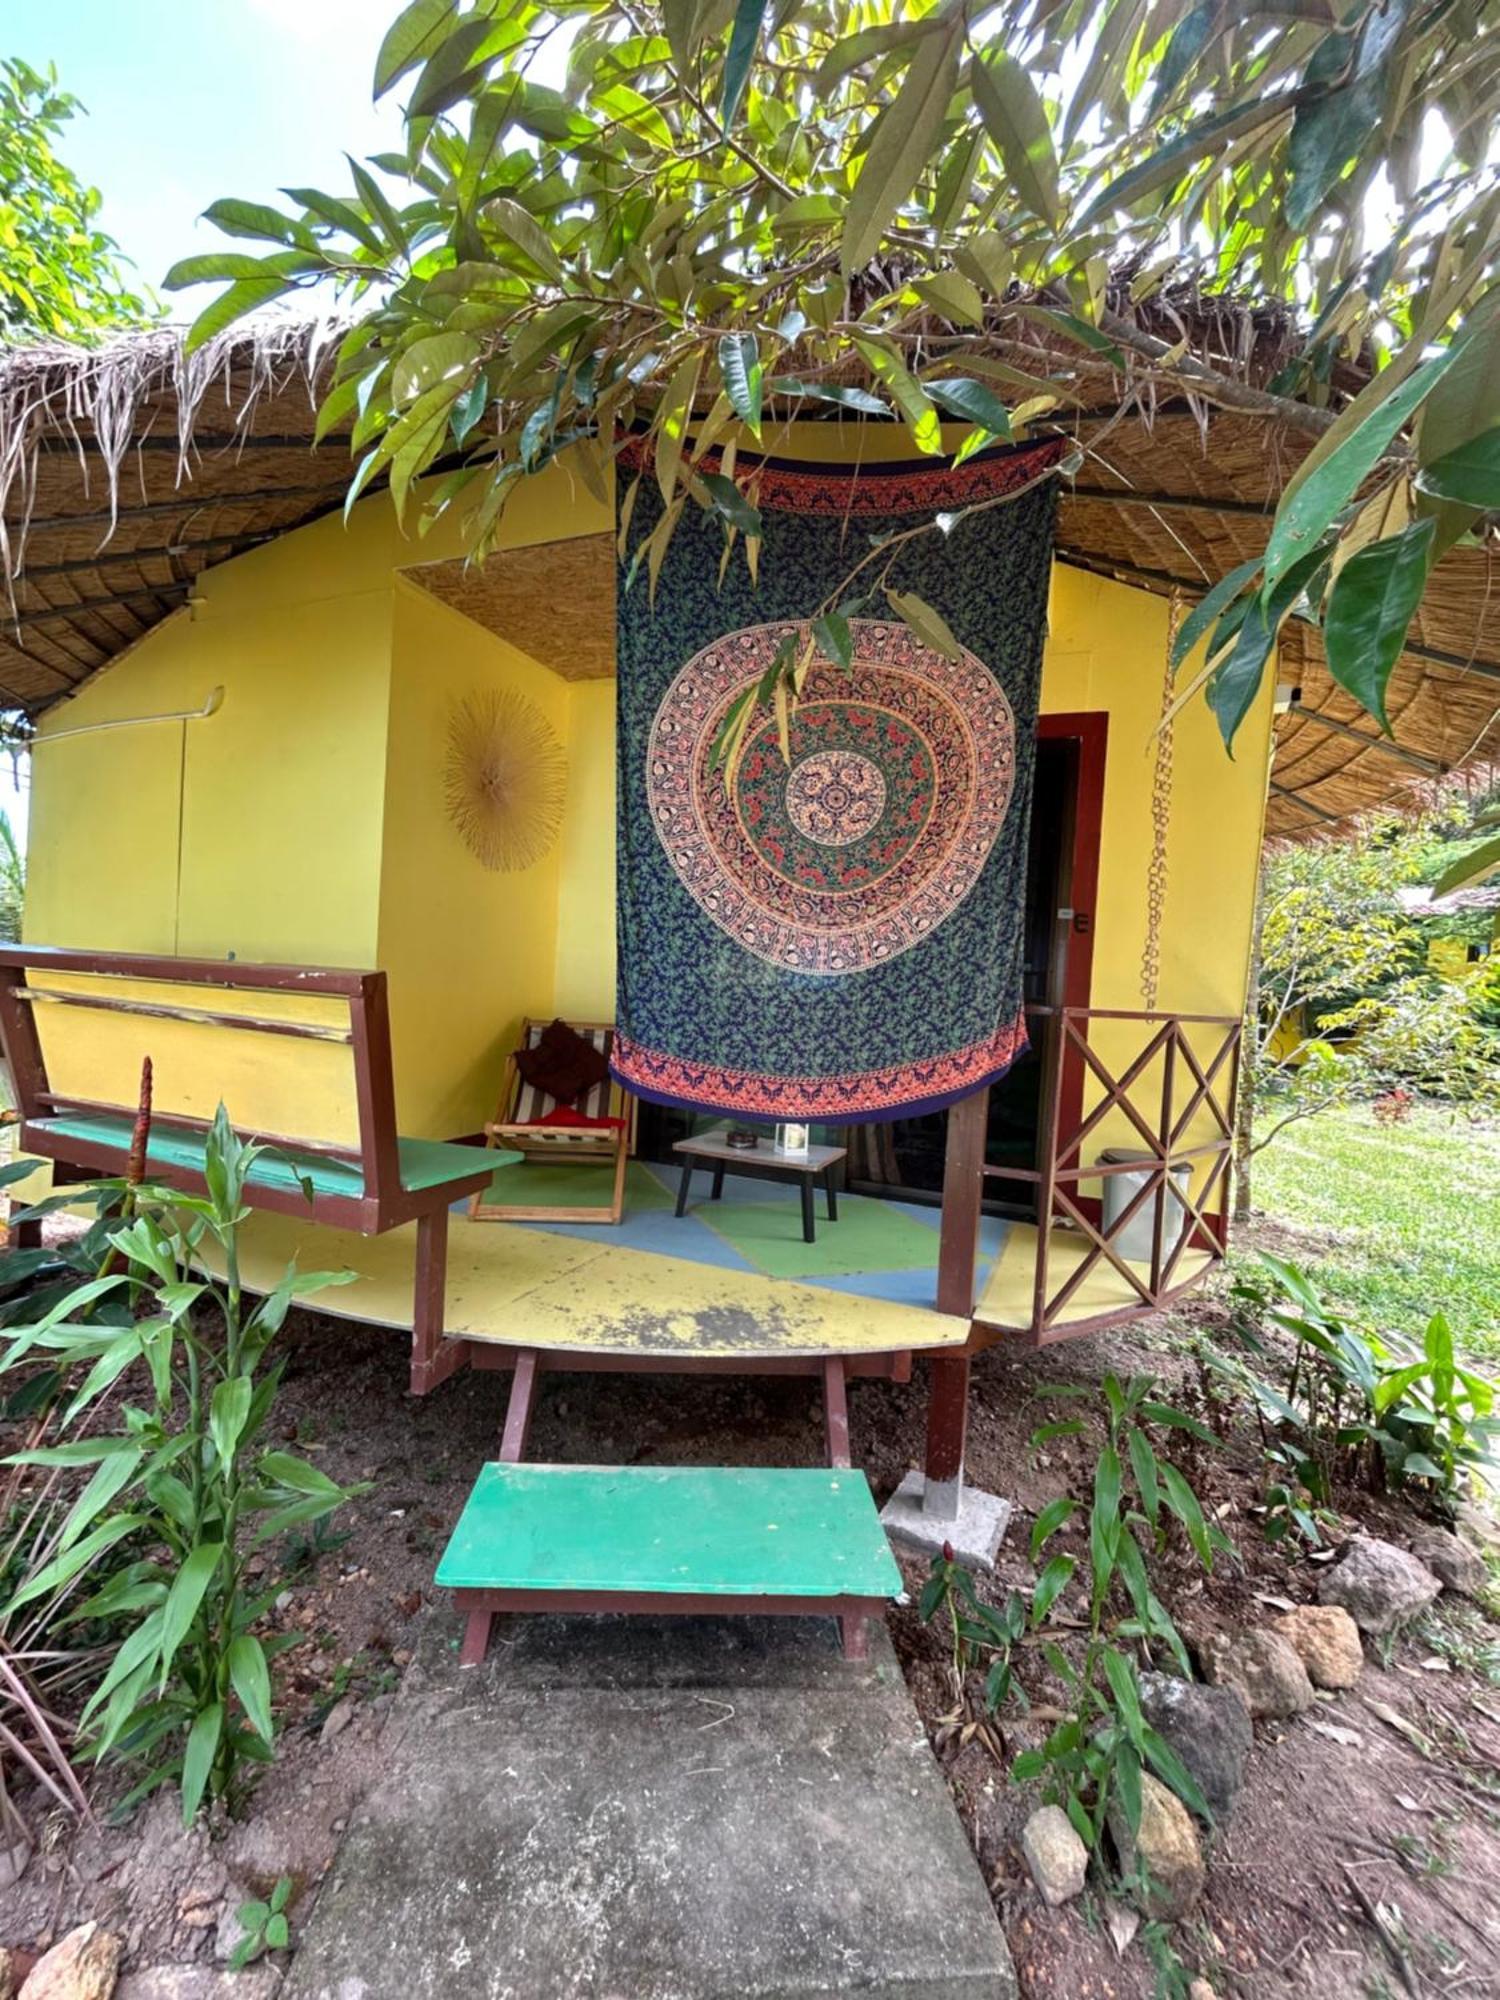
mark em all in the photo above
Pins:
pixel 504 778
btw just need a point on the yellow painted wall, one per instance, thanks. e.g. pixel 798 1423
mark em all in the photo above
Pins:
pixel 586 906
pixel 469 951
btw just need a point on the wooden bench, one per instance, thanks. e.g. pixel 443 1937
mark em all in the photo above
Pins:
pixel 299 1055
pixel 797 1541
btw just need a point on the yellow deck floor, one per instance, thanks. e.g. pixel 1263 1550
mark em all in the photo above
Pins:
pixel 1006 1300
pixel 528 1288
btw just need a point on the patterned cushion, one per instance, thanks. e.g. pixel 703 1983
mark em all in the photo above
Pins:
pixel 561 1064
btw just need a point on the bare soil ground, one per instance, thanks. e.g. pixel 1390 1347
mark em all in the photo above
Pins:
pixel 1344 1829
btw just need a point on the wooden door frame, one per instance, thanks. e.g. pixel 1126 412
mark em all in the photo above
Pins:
pixel 1078 887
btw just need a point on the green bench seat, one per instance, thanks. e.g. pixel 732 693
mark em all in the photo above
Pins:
pixel 425 1163
pixel 669 1538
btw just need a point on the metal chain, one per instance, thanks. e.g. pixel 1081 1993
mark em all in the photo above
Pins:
pixel 1161 814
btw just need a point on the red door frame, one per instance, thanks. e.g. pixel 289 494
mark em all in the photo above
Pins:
pixel 1088 731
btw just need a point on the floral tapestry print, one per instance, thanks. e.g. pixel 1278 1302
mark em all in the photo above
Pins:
pixel 837 936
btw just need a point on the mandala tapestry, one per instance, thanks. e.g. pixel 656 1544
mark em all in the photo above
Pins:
pixel 835 935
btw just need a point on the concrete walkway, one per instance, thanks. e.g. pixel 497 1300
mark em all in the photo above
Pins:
pixel 634 1809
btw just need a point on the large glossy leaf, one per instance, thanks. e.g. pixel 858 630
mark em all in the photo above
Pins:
pixel 962 396
pixel 1313 504
pixel 1236 681
pixel 930 627
pixel 908 393
pixel 903 143
pixel 1369 609
pixel 258 219
pixel 250 1678
pixel 198 1758
pixel 740 366
pixel 1209 607
pixel 1332 129
pixel 1016 119
pixel 417 32
pixel 743 40
pixel 1469 474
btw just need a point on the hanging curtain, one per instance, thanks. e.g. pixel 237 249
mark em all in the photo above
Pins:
pixel 835 934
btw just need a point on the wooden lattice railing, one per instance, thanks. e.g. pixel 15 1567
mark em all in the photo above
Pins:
pixel 1166 1092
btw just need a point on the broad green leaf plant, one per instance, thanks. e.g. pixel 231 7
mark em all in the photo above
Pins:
pixel 185 1489
pixel 698 219
pixel 1093 1756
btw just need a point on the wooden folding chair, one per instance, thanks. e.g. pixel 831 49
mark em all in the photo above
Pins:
pixel 600 1127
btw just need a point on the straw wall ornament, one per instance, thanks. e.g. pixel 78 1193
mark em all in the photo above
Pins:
pixel 504 778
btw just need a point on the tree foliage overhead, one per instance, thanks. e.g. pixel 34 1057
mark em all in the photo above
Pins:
pixel 702 217
pixel 60 278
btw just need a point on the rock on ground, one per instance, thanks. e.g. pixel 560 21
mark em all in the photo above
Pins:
pixel 1379 1585
pixel 1208 1727
pixel 1057 1858
pixel 1163 1853
pixel 199 1982
pixel 83 1966
pixel 1452 1562
pixel 1326 1640
pixel 1263 1668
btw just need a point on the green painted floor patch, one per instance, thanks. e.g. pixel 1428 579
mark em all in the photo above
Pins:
pixel 868 1236
pixel 549 1184
pixel 736 1531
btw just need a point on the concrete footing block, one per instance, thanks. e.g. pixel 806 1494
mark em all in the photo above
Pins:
pixel 975 1531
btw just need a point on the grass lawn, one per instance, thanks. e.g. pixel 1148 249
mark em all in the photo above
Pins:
pixel 1405 1218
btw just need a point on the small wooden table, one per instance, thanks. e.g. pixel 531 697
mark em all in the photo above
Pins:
pixel 714 1150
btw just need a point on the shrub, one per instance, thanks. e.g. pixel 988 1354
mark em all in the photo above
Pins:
pixel 185 1491
pixel 1359 1405
pixel 1096 1752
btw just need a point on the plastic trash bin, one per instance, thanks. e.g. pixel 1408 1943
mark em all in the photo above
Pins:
pixel 1133 1242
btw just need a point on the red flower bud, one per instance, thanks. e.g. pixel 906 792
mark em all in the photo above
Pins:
pixel 948 1552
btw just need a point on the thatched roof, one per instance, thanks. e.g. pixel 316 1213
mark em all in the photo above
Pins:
pixel 127 470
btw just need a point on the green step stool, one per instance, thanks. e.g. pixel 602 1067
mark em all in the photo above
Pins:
pixel 801 1541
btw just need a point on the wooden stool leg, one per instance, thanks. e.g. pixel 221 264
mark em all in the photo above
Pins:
pixel 718 1187
pixel 518 1410
pixel 683 1185
pixel 836 1411
pixel 809 1232
pixel 476 1639
pixel 856 1632
pixel 433 1359
pixel 26 1235
pixel 832 1193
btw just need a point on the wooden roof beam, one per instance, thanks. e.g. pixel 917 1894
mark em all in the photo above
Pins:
pixel 1306 805
pixel 1184 503
pixel 190 502
pixel 125 600
pixel 157 552
pixel 1431 767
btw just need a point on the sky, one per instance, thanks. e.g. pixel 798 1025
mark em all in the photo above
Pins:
pixel 188 100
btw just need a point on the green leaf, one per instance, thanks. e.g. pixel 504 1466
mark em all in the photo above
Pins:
pixel 1476 866
pixel 1049 1521
pixel 956 297
pixel 62 1569
pixel 1016 119
pixel 849 398
pixel 961 396
pixel 282 1468
pixel 440 358
pixel 1313 499
pixel 929 627
pixel 739 364
pixel 1053 1580
pixel 1168 164
pixel 113 1473
pixel 731 502
pixel 744 37
pixel 910 395
pixel 524 232
pixel 834 638
pixel 278 1932
pixel 1236 681
pixel 1183 1502
pixel 1170 1768
pixel 258 219
pixel 417 32
pixel 250 1678
pixel 184 1598
pixel 1122 1685
pixel 1208 608
pixel 905 138
pixel 1143 1465
pixel 1469 474
pixel 1372 602
pixel 246 295
pixel 198 1758
pixel 226 1416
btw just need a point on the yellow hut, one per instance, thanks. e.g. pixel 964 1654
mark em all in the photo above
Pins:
pixel 252 719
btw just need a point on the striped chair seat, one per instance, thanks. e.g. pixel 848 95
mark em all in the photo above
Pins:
pixel 598 1127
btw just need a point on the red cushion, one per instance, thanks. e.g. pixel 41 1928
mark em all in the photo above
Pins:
pixel 562 1064
pixel 565 1114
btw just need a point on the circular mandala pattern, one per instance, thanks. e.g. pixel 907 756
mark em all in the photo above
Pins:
pixel 901 774
pixel 833 797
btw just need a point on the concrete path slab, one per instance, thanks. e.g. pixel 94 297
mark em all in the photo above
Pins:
pixel 642 1809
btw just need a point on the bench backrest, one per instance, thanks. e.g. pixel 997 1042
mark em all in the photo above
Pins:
pixel 297 1054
